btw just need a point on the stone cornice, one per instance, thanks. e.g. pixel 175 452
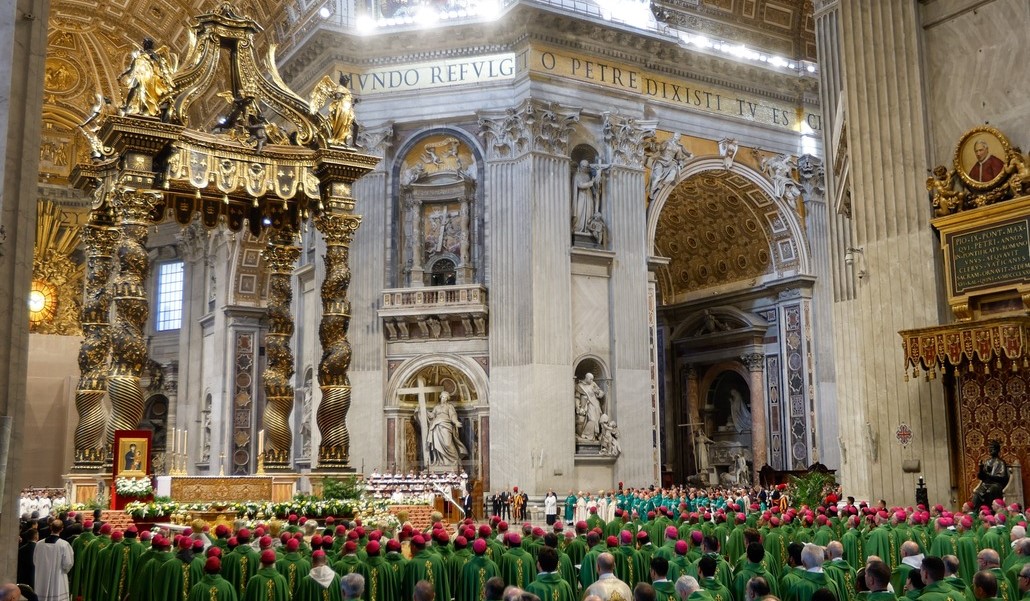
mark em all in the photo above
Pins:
pixel 525 25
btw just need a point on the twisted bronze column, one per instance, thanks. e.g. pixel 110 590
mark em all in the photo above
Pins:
pixel 334 449
pixel 99 240
pixel 280 257
pixel 128 342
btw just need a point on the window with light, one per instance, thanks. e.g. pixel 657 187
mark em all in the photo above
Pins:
pixel 169 296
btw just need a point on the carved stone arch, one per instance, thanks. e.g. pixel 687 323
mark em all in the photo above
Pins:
pixel 467 365
pixel 715 164
pixel 587 363
pixel 722 229
pixel 729 315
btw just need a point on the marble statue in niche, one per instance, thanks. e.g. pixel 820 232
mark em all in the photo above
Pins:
pixel 588 409
pixel 740 413
pixel 442 433
pixel 588 224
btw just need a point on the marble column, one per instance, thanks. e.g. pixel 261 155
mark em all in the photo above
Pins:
pixel 755 363
pixel 334 448
pixel 23 29
pixel 131 309
pixel 280 259
pixel 99 240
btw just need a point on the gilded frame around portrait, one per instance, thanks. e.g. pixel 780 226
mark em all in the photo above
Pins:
pixel 131 455
pixel 973 169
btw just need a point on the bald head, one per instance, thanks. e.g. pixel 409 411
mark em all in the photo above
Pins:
pixel 988 559
pixel 605 563
pixel 909 549
pixel 1023 546
pixel 835 550
pixel 10 592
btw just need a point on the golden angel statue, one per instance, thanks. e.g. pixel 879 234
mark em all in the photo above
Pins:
pixel 149 79
pixel 944 196
pixel 341 103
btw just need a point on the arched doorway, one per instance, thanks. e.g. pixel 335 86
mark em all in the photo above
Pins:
pixel 734 274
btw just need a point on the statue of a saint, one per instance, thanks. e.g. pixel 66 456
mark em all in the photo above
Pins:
pixel 740 470
pixel 584 203
pixel 588 408
pixel 994 477
pixel 149 79
pixel 340 118
pixel 701 444
pixel 445 446
pixel 740 413
pixel 665 164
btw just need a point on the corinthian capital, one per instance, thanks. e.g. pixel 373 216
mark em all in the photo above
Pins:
pixel 626 138
pixel 531 126
pixel 754 361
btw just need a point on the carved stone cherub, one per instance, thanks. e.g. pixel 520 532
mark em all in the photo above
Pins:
pixel 944 196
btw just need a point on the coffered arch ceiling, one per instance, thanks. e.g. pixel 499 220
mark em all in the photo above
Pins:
pixel 718 228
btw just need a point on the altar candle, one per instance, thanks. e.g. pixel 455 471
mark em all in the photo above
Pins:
pixel 175 437
pixel 261 442
pixel 185 447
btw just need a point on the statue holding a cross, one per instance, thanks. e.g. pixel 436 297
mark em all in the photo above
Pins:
pixel 441 443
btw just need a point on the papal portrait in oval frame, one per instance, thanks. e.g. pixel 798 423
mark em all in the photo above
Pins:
pixel 981 156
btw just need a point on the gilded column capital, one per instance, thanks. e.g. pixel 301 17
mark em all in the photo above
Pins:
pixel 135 206
pixel 338 228
pixel 754 361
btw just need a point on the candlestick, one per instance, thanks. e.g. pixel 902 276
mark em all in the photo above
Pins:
pixel 185 447
pixel 175 436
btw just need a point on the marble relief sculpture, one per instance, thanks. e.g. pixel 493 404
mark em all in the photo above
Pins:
pixel 588 409
pixel 666 160
pixel 780 171
pixel 609 437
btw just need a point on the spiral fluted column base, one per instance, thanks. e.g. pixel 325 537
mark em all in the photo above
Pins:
pixel 89 432
pixel 126 396
pixel 334 450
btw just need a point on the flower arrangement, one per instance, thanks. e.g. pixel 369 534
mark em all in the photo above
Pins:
pixel 133 487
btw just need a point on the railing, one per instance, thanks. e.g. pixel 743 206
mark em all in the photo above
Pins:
pixel 462 297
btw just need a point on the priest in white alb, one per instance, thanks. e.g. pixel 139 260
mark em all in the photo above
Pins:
pixel 53 559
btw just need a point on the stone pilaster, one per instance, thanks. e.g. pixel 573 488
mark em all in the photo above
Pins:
pixel 527 202
pixel 635 410
pixel 891 227
pixel 24 29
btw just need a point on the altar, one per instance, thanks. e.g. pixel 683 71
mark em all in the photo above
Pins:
pixel 210 489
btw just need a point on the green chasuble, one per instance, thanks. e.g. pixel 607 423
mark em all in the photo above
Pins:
pixel 807 583
pixel 939 591
pixel 212 587
pixel 89 581
pixel 143 587
pixel 321 584
pixel 380 582
pixel 943 544
pixel 715 589
pixel 347 564
pixel 425 565
pixel 122 564
pixel 1005 588
pixel 517 568
pixel 293 567
pixel 776 553
pixel 576 549
pixel 567 570
pixel 172 580
pixel 238 567
pixel 844 575
pixel 75 578
pixel 570 507
pixel 749 570
pixel 267 585
pixel 899 576
pixel 454 565
pixel 550 586
pixel 588 569
pixel 854 549
pixel 878 596
pixel 878 543
pixel 665 590
pixel 397 563
pixel 471 585
pixel 965 549
pixel 959 586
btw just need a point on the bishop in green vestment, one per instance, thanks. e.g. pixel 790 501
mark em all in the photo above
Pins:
pixel 380 582
pixel 321 584
pixel 212 587
pixel 122 564
pixel 664 589
pixel 143 586
pixel 267 584
pixel 751 567
pixel 292 565
pixel 240 564
pixel 548 584
pixel 516 565
pixel 172 580
pixel 424 565
pixel 471 585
